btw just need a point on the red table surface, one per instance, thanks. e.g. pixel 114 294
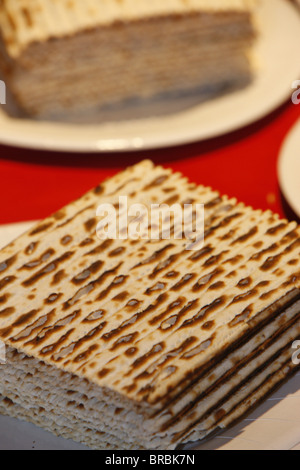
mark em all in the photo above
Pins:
pixel 243 164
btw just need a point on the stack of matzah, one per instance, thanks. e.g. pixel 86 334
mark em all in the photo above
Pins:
pixel 65 59
pixel 144 344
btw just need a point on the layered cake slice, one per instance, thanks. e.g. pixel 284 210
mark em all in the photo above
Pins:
pixel 63 59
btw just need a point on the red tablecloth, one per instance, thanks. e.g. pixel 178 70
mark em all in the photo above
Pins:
pixel 242 164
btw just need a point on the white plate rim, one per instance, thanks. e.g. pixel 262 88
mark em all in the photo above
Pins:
pixel 262 97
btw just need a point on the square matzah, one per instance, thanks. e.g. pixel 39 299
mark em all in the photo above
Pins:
pixel 143 344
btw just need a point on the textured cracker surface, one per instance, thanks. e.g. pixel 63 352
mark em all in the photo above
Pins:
pixel 163 338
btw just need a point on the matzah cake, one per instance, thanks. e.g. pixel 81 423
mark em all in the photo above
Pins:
pixel 63 59
pixel 140 343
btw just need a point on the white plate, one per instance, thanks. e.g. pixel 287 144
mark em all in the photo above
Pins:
pixel 277 52
pixel 289 169
pixel 275 425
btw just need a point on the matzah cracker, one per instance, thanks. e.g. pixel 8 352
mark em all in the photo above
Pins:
pixel 69 60
pixel 145 344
